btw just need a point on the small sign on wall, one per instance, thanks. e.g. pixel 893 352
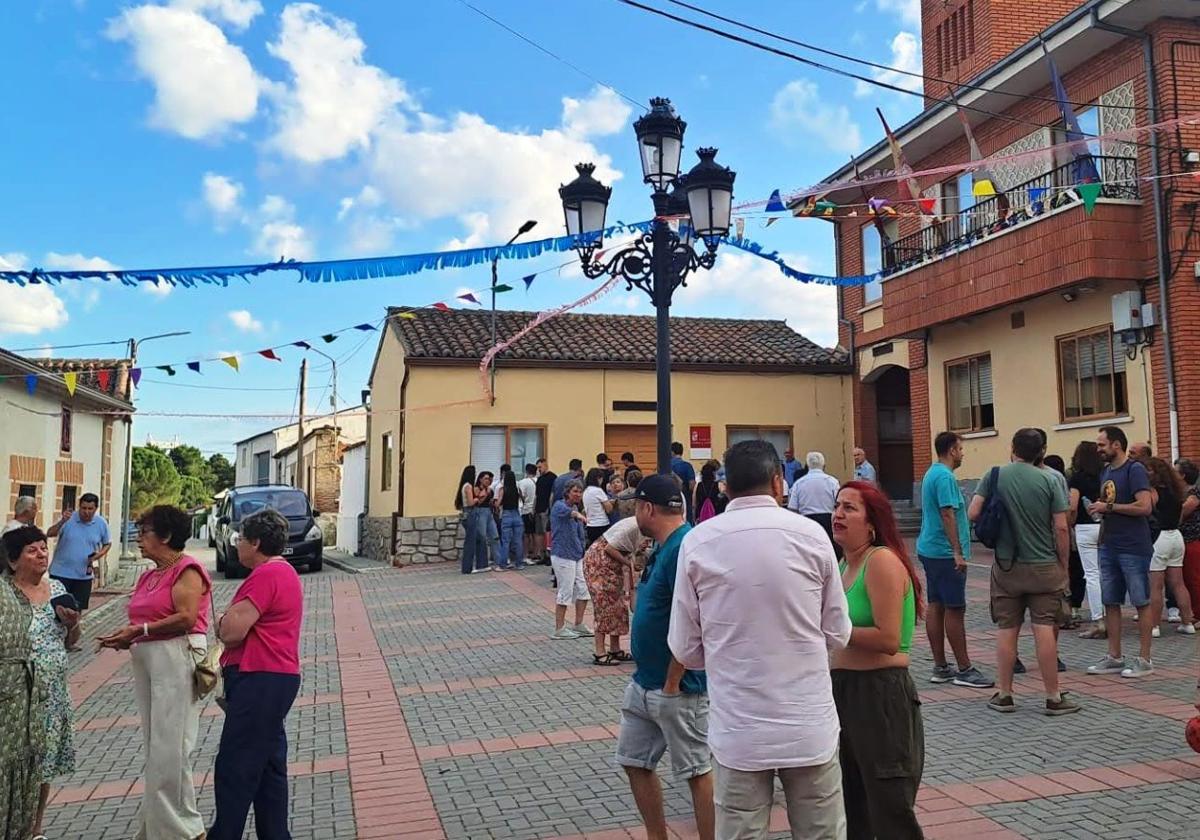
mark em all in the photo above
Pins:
pixel 700 439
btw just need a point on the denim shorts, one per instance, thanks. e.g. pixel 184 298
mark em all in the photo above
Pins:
pixel 653 723
pixel 944 584
pixel 1122 574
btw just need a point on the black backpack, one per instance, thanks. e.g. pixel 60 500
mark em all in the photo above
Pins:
pixel 994 519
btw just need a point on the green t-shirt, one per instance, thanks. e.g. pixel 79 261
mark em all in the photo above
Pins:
pixel 1032 497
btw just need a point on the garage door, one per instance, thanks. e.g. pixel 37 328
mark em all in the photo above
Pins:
pixel 642 441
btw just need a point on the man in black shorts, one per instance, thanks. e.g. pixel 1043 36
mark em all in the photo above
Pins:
pixel 543 490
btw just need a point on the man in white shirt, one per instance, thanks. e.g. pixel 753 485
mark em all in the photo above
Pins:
pixel 25 513
pixel 759 604
pixel 527 492
pixel 813 495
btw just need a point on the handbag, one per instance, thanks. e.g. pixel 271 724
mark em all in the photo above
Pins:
pixel 207 674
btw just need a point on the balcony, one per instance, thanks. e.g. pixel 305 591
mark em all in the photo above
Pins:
pixel 987 218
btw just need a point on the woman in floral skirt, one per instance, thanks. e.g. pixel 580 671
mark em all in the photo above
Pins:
pixel 606 568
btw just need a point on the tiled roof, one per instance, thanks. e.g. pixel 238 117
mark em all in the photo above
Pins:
pixel 86 368
pixel 616 340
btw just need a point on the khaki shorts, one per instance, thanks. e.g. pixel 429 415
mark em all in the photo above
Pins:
pixel 653 723
pixel 1037 587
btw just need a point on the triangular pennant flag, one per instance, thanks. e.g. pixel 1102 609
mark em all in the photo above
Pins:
pixel 232 361
pixel 269 354
pixel 194 366
pixel 1089 193
pixel 503 287
pixel 927 205
pixel 771 221
pixel 1036 194
pixel 103 377
pixel 983 188
pixel 329 338
pixel 406 315
pixel 170 370
pixel 31 382
pixel 825 208
pixel 775 203
pixel 303 344
pixel 528 280
pixel 441 306
pixel 469 298
pixel 365 327
pixel 71 378
pixel 135 374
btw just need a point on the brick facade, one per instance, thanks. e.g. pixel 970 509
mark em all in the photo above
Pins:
pixel 25 469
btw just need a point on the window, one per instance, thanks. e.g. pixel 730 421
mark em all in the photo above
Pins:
pixel 262 467
pixel 492 446
pixel 385 461
pixel 245 452
pixel 69 492
pixel 64 443
pixel 29 490
pixel 1091 376
pixel 778 436
pixel 872 259
pixel 969 394
pixel 955 37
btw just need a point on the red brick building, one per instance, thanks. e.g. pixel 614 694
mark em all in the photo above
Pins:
pixel 987 320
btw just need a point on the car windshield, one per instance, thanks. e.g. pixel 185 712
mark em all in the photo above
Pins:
pixel 290 503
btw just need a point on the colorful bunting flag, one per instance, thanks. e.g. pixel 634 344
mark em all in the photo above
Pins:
pixel 441 307
pixel 469 298
pixel 71 378
pixel 1089 192
pixel 528 278
pixel 303 344
pixel 881 207
pixel 135 375
pixel 1036 194
pixel 1085 165
pixel 927 205
pixel 194 366
pixel 503 287
pixel 983 188
pixel 169 370
pixel 232 361
pixel 825 208
pixel 771 221
pixel 983 173
pixel 269 354
pixel 775 203
pixel 31 381
pixel 103 377
pixel 365 327
pixel 407 315
pixel 914 189
pixel 329 338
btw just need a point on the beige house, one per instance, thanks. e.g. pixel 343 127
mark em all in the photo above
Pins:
pixel 576 386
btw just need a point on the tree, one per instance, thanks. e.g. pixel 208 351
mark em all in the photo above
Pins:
pixel 155 480
pixel 224 473
pixel 193 493
pixel 188 460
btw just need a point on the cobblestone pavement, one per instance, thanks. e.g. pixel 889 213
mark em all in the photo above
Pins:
pixel 433 706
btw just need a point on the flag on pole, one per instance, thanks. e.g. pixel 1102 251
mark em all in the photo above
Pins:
pixel 902 167
pixel 72 378
pixel 1085 164
pixel 983 174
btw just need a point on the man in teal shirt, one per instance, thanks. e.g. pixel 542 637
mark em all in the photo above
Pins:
pixel 943 549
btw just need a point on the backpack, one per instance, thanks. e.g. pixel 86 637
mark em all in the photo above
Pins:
pixel 994 518
pixel 707 511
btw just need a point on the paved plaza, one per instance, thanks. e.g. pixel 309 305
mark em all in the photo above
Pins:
pixel 434 706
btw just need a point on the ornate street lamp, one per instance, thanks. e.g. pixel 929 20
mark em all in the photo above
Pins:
pixel 658 262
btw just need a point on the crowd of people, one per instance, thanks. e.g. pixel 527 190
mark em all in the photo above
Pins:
pixel 170 615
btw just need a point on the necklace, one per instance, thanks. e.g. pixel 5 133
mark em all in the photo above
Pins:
pixel 156 575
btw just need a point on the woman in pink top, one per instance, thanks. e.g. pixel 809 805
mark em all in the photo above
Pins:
pixel 261 667
pixel 168 618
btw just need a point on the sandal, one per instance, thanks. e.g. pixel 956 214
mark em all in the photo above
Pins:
pixel 606 660
pixel 621 655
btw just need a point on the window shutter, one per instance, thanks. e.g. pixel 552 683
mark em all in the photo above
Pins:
pixel 985 380
pixel 488 448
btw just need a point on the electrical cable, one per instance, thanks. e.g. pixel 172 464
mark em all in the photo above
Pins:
pixel 67 346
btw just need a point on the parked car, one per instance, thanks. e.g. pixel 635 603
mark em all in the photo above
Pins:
pixel 305 538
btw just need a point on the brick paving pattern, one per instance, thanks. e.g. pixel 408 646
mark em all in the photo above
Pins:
pixel 433 706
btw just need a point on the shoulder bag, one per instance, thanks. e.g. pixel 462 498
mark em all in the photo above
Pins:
pixel 208 661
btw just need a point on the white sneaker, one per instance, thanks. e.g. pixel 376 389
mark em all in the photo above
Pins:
pixel 1138 667
pixel 1186 629
pixel 1173 615
pixel 582 630
pixel 1156 632
pixel 564 633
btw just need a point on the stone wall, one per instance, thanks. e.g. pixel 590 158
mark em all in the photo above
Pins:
pixel 427 539
pixel 374 540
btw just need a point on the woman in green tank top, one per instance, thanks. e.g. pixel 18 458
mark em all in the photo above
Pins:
pixel 883 736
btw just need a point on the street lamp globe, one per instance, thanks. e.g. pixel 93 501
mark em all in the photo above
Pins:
pixel 679 211
pixel 585 203
pixel 660 140
pixel 710 197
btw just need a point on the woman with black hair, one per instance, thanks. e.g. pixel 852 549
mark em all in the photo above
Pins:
pixel 708 499
pixel 1084 484
pixel 512 529
pixel 474 550
pixel 596 505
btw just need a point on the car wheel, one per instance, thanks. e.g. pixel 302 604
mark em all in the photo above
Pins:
pixel 316 565
pixel 220 558
pixel 233 569
pixel 212 543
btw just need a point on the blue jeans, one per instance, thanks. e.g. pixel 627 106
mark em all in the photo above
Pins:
pixel 251 766
pixel 1121 574
pixel 475 546
pixel 512 534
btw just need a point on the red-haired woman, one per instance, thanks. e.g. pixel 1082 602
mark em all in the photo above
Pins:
pixel 883 737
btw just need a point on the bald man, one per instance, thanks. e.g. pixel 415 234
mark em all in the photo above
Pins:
pixel 864 470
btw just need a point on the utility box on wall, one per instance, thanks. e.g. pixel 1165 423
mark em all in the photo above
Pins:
pixel 1127 311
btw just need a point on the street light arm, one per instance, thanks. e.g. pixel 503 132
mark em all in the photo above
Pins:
pixel 635 263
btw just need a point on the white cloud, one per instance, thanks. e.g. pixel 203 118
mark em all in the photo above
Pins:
pixel 27 310
pixel 906 56
pixel 244 321
pixel 236 13
pixel 78 262
pixel 909 11
pixel 223 195
pixel 279 235
pixel 203 83
pixel 799 114
pixel 601 114
pixel 335 100
pixel 744 285
pixel 158 290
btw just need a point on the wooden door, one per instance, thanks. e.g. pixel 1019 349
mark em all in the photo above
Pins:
pixel 642 441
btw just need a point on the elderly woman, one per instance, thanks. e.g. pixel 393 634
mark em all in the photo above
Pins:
pixel 261 668
pixel 52 631
pixel 168 619
pixel 22 732
pixel 606 566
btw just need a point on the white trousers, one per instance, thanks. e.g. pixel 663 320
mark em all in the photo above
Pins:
pixel 162 677
pixel 1087 540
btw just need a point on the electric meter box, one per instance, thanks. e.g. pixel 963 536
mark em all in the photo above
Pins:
pixel 1127 311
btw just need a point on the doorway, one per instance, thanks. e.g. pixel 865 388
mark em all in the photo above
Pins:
pixel 642 441
pixel 893 409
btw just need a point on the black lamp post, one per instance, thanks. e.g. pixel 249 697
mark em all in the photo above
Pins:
pixel 659 261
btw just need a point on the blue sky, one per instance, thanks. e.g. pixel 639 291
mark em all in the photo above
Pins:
pixel 208 132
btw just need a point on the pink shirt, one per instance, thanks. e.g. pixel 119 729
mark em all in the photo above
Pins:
pixel 151 600
pixel 273 643
pixel 758 605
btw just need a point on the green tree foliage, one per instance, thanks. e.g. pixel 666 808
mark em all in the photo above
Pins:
pixel 188 460
pixel 155 480
pixel 193 493
pixel 223 472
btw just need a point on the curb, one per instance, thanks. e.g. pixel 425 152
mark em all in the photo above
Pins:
pixel 338 563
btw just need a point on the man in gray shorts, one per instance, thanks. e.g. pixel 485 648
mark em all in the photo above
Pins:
pixel 665 708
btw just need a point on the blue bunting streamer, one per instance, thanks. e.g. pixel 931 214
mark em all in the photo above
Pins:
pixel 337 271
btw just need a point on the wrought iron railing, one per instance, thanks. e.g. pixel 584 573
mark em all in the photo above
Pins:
pixel 1048 191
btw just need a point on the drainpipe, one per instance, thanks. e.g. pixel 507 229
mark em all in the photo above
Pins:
pixel 1160 233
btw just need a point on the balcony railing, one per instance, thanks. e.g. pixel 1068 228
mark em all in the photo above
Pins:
pixel 1118 177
